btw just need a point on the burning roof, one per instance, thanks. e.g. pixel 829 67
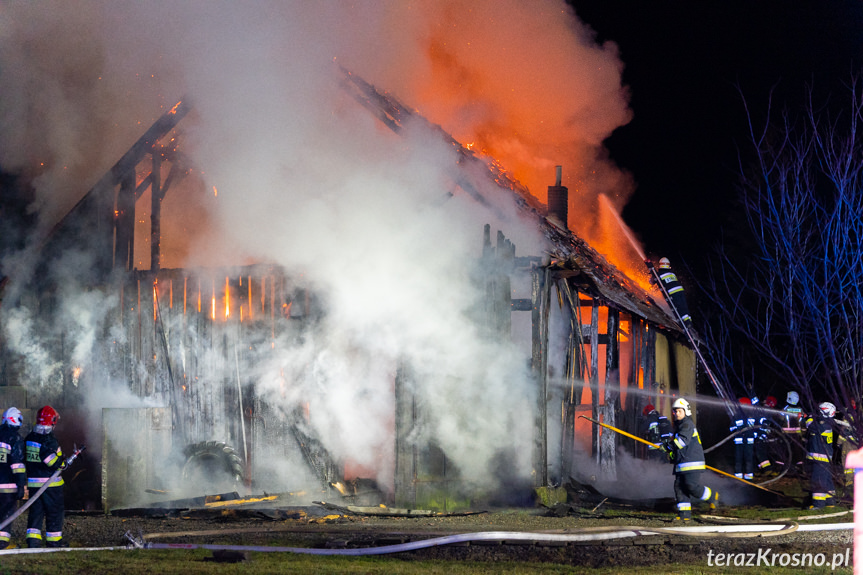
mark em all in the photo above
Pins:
pixel 568 251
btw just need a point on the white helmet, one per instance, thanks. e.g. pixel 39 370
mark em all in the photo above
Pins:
pixel 682 404
pixel 828 409
pixel 793 398
pixel 12 417
pixel 664 264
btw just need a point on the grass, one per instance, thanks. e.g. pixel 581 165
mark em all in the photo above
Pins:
pixel 191 562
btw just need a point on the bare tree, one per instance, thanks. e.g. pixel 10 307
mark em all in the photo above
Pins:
pixel 792 302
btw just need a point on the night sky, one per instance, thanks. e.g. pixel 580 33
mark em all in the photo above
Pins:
pixel 686 65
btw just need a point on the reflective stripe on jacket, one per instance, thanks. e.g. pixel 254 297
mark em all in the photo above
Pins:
pixel 688 453
pixel 43 457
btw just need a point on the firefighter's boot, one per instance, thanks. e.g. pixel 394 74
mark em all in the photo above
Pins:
pixel 684 512
pixel 714 500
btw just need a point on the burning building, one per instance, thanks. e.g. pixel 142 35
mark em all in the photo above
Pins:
pixel 289 279
pixel 245 378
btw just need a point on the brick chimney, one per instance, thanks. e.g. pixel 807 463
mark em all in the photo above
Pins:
pixel 558 201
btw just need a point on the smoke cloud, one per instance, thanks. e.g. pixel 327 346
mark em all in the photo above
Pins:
pixel 292 171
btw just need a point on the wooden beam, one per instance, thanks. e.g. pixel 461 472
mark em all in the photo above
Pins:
pixel 594 375
pixel 608 460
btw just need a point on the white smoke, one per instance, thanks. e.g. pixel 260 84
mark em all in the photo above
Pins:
pixel 308 179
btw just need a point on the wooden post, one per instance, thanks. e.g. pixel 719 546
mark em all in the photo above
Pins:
pixel 542 476
pixel 124 224
pixel 608 463
pixel 539 322
pixel 156 212
pixel 594 375
pixel 502 297
pixel 635 375
pixel 405 492
pixel 573 369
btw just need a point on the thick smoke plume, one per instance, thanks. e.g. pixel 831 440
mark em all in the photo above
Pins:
pixel 296 173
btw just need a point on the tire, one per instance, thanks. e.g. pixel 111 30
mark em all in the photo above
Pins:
pixel 214 456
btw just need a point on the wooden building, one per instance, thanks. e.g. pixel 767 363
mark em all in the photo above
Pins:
pixel 177 337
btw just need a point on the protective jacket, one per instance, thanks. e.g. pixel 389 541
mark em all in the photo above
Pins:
pixel 675 292
pixel 657 428
pixel 687 452
pixel 791 415
pixel 819 438
pixel 44 456
pixel 741 421
pixel 13 475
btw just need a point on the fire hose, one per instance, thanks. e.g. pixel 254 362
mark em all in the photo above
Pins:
pixel 719 471
pixel 587 534
pixel 769 429
pixel 42 489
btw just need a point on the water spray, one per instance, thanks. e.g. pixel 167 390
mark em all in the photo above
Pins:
pixel 701 400
pixel 657 446
pixel 720 391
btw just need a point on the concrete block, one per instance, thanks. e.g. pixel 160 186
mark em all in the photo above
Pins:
pixel 135 444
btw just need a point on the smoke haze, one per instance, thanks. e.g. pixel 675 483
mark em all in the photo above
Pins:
pixel 291 170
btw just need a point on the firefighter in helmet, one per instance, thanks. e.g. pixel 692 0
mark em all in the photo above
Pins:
pixel 792 412
pixel 43 458
pixel 764 438
pixel 687 456
pixel 674 289
pixel 13 478
pixel 656 429
pixel 819 455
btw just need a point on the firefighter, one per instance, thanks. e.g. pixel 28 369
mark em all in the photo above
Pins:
pixel 819 455
pixel 13 478
pixel 675 292
pixel 762 439
pixel 744 442
pixel 687 456
pixel 43 457
pixel 845 441
pixel 655 428
pixel 792 410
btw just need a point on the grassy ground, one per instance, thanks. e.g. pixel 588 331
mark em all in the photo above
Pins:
pixel 191 562
pixel 632 560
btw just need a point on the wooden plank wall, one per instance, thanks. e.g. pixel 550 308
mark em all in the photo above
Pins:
pixel 189 334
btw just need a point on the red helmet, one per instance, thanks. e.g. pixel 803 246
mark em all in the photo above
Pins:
pixel 770 401
pixel 47 416
pixel 745 401
pixel 647 409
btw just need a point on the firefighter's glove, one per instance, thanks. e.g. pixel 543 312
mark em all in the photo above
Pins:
pixel 62 464
pixel 669 452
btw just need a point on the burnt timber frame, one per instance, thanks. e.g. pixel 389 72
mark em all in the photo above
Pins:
pixel 576 270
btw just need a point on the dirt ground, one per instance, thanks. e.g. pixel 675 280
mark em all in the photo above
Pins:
pixel 284 522
pixel 319 527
